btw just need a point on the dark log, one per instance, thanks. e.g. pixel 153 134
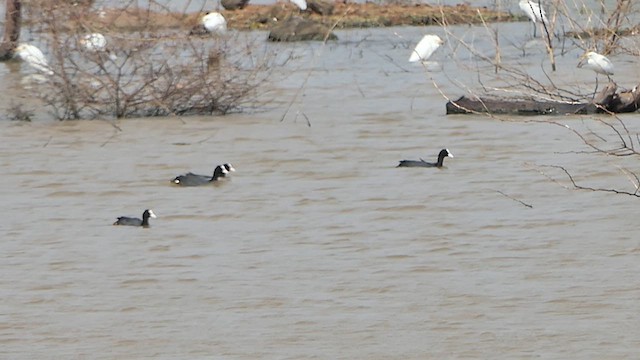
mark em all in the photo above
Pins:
pixel 467 105
pixel 321 7
pixel 604 97
pixel 299 29
pixel 606 100
pixel 625 101
pixel 199 30
pixel 12 21
pixel 234 4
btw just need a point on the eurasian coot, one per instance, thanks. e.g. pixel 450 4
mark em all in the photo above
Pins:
pixel 421 163
pixel 130 221
pixel 191 179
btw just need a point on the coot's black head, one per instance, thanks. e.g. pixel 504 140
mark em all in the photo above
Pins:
pixel 145 217
pixel 228 167
pixel 219 171
pixel 443 154
pixel 147 214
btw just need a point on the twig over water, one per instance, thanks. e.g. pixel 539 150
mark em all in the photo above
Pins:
pixel 514 199
pixel 580 187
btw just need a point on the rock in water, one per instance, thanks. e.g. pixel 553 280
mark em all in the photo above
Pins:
pixel 322 7
pixel 234 4
pixel 299 29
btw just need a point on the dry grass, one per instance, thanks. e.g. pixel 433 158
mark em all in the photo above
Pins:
pixel 259 16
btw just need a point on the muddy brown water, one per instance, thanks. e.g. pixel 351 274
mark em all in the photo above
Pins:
pixel 318 247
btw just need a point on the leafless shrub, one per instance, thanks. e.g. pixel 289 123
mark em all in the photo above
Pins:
pixel 148 70
pixel 612 138
pixel 18 113
pixel 573 26
pixel 600 29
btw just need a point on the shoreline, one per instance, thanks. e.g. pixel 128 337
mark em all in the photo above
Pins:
pixel 345 16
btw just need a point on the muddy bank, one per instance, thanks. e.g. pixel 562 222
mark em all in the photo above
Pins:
pixel 344 16
pixel 373 15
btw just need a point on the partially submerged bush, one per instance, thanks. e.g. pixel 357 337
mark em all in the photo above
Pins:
pixel 601 28
pixel 147 72
pixel 17 113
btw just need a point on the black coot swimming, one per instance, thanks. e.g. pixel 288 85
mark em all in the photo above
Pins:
pixel 421 163
pixel 191 179
pixel 123 220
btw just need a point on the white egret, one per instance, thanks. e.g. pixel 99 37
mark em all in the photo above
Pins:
pixel 534 11
pixel 301 4
pixel 214 22
pixel 34 57
pixel 425 48
pixel 596 62
pixel 96 43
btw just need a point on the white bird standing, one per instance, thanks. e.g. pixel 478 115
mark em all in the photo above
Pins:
pixel 534 11
pixel 301 4
pixel 34 57
pixel 96 43
pixel 425 48
pixel 214 22
pixel 596 62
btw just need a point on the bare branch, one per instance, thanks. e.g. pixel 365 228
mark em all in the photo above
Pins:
pixel 580 187
pixel 514 199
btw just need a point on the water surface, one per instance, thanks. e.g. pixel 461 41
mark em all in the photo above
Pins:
pixel 318 247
